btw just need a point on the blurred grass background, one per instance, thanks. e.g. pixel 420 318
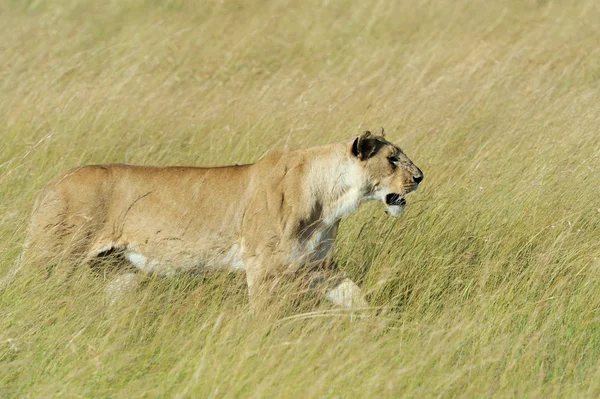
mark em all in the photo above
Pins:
pixel 488 285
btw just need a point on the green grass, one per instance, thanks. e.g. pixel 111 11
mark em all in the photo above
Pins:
pixel 488 284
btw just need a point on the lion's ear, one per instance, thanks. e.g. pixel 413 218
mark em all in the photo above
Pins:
pixel 365 146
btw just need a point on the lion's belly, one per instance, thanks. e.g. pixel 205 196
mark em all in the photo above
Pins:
pixel 168 261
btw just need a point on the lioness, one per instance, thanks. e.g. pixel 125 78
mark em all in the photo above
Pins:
pixel 276 216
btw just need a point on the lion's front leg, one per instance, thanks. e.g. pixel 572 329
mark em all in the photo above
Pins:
pixel 347 294
pixel 265 276
pixel 337 288
pixel 272 285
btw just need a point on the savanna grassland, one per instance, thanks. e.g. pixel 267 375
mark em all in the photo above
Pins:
pixel 487 285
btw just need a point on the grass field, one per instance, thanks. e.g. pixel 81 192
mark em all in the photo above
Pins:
pixel 488 284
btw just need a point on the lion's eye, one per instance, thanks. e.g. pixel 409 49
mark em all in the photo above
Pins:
pixel 394 161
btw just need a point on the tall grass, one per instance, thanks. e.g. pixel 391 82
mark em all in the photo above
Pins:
pixel 488 285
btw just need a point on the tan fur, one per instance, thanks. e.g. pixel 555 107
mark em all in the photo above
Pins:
pixel 276 216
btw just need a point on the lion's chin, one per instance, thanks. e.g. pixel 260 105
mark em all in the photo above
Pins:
pixel 395 210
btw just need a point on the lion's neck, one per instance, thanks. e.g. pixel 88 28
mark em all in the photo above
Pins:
pixel 338 184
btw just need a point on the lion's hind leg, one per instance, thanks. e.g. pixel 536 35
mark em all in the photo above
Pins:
pixel 107 260
pixel 61 237
pixel 121 285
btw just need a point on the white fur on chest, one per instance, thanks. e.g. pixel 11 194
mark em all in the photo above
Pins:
pixel 345 205
pixel 348 188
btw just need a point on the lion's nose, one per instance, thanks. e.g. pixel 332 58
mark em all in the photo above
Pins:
pixel 418 177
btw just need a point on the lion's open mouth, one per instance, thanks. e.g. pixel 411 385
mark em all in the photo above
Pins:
pixel 395 204
pixel 395 199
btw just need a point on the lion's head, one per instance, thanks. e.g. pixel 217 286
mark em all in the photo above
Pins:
pixel 389 174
